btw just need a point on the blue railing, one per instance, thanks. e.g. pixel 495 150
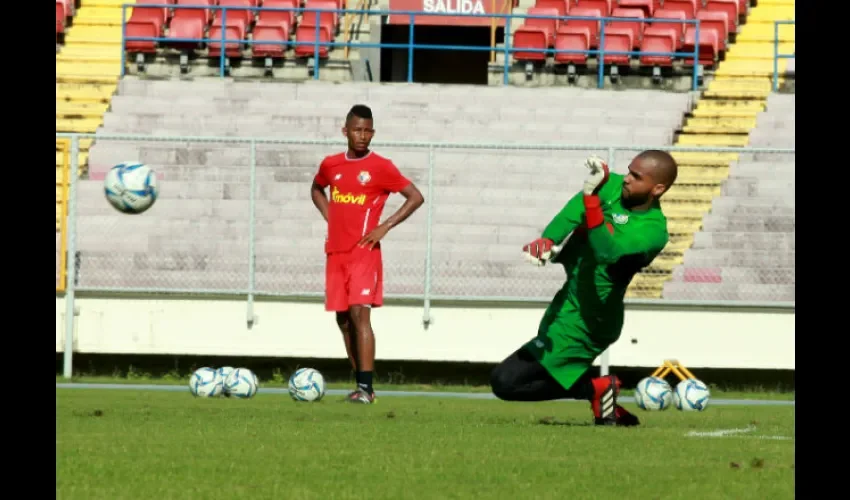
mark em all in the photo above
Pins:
pixel 507 50
pixel 776 55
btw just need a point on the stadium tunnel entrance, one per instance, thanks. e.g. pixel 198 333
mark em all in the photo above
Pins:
pixel 434 65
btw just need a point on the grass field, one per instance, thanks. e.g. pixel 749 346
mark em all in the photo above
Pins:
pixel 126 444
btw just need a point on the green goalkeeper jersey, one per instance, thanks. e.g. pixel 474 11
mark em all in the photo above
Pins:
pixel 601 263
pixel 586 315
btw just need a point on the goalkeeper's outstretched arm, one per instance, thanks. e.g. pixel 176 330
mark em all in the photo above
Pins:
pixel 565 221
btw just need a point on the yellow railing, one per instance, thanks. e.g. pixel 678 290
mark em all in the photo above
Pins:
pixel 64 146
pixel 361 5
pixel 503 10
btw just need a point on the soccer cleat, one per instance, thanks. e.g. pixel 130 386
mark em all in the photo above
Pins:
pixel 606 411
pixel 604 402
pixel 360 396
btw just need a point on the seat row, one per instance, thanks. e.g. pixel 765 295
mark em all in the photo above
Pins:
pixel 718 23
pixel 270 30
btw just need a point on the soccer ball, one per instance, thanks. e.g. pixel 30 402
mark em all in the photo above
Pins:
pixel 224 372
pixel 241 383
pixel 206 383
pixel 691 395
pixel 131 187
pixel 653 393
pixel 307 384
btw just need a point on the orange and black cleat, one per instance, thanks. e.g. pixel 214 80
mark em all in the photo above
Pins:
pixel 606 411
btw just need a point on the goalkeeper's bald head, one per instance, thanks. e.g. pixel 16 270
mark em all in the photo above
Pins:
pixel 662 165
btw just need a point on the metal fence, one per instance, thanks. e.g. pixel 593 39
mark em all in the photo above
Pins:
pixel 210 233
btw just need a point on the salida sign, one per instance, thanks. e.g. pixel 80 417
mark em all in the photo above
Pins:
pixel 455 10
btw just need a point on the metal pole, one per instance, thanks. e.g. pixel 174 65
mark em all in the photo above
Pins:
pixel 412 21
pixel 775 56
pixel 426 316
pixel 605 357
pixel 223 38
pixel 71 259
pixel 123 40
pixel 695 77
pixel 252 222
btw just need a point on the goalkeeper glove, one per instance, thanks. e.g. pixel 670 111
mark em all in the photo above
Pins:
pixel 597 175
pixel 539 251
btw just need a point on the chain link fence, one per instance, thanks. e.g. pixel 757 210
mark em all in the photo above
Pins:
pixel 731 221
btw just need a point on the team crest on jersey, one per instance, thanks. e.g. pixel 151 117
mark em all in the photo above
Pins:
pixel 364 177
pixel 621 218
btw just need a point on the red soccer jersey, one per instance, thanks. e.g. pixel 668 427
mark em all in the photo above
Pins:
pixel 359 190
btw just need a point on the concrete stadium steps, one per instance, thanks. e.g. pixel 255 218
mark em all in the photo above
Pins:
pixel 731 112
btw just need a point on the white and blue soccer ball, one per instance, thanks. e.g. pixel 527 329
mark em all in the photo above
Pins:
pixel 241 383
pixel 225 372
pixel 206 383
pixel 307 384
pixel 653 393
pixel 131 187
pixel 691 395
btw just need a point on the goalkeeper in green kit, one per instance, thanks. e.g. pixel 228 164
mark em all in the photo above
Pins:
pixel 603 236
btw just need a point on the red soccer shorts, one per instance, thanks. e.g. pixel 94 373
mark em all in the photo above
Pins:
pixel 354 278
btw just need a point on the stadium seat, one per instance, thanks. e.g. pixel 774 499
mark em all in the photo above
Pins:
pixel 658 38
pixel 189 24
pixel 571 37
pixel 688 7
pixel 276 19
pixel 274 27
pixel 647 6
pixel 305 31
pixel 535 33
pixel 593 26
pixel 604 6
pixel 678 28
pixel 146 22
pixel 709 46
pixel 635 27
pixel 717 21
pixel 237 23
pixel 562 6
pixel 730 7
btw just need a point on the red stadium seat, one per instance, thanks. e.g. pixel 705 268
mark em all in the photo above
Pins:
pixel 329 19
pixel 60 16
pixel 718 21
pixel 678 28
pixel 618 40
pixel 275 18
pixel 562 6
pixel 305 31
pixel 689 7
pixel 189 23
pixel 549 26
pixel 65 10
pixel 635 27
pixel 709 46
pixel 530 37
pixel 274 34
pixel 591 25
pixel 237 23
pixel 146 22
pixel 604 6
pixel 730 7
pixel 572 37
pixel 647 6
pixel 657 38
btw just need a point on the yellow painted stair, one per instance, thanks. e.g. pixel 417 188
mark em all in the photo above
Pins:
pixel 723 117
pixel 88 66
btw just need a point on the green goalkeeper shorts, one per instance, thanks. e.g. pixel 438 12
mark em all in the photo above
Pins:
pixel 565 346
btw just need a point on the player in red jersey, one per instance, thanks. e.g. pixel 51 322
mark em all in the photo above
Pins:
pixel 360 182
